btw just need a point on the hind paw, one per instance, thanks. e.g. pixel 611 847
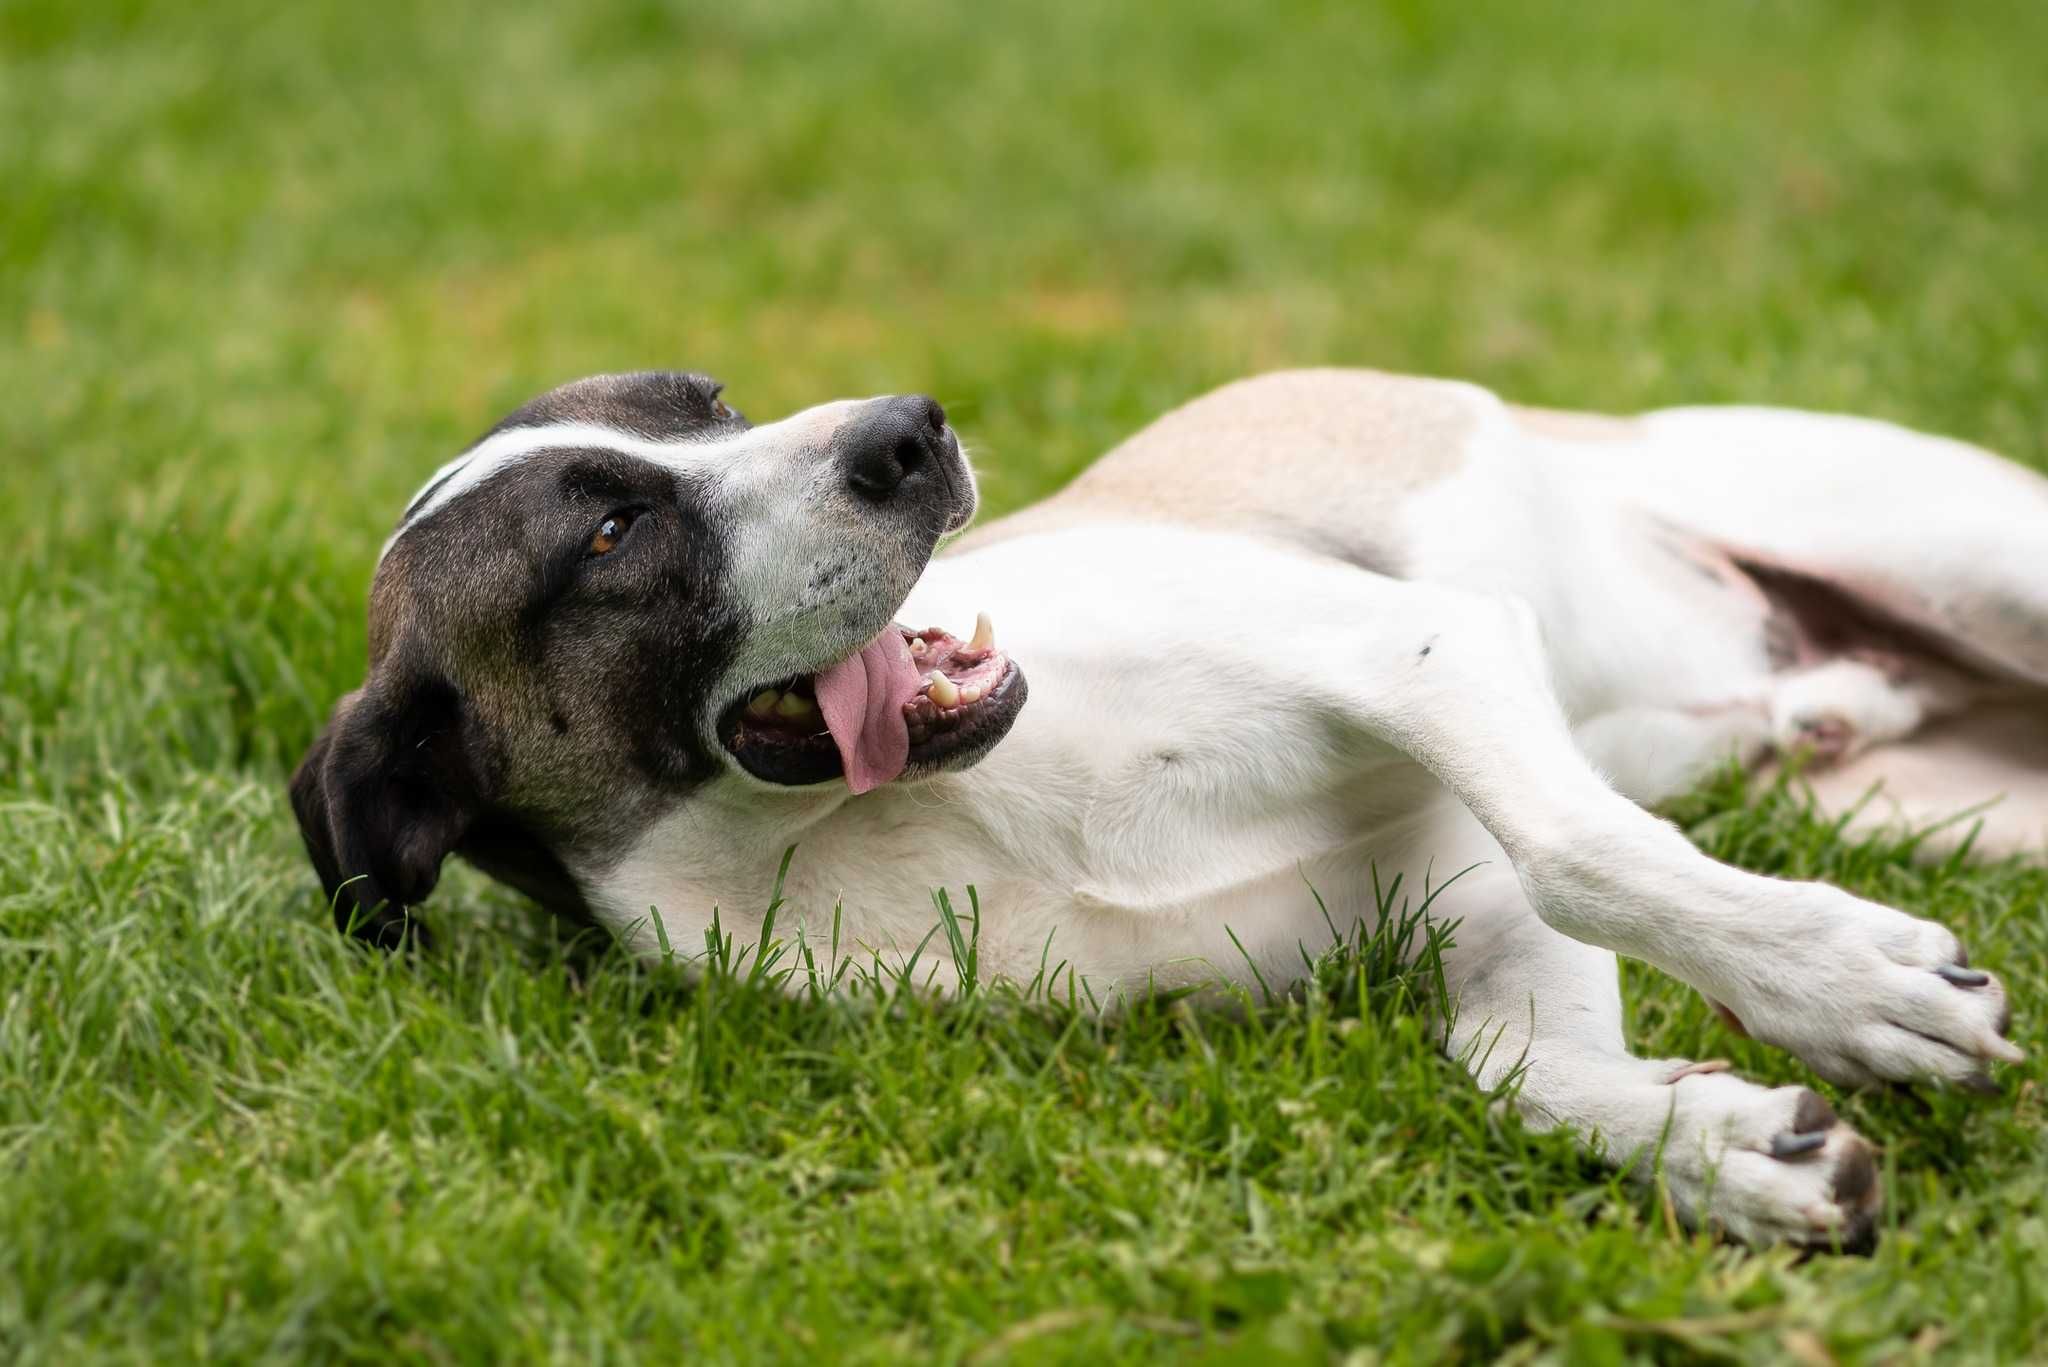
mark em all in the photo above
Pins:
pixel 1840 709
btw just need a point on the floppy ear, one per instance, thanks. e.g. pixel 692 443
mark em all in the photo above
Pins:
pixel 383 796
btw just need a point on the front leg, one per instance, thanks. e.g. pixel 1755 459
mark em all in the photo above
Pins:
pixel 1540 1014
pixel 1860 991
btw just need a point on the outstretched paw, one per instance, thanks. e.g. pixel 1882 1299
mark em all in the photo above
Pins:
pixel 1866 994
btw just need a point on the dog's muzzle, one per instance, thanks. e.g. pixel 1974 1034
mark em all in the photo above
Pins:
pixel 900 451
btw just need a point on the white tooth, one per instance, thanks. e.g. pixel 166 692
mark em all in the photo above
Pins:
pixel 793 706
pixel 917 646
pixel 969 694
pixel 984 633
pixel 763 704
pixel 942 691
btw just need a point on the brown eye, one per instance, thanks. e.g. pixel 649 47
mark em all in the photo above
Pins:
pixel 719 410
pixel 610 533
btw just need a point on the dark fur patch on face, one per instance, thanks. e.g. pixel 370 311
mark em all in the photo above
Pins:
pixel 592 670
pixel 658 405
pixel 530 700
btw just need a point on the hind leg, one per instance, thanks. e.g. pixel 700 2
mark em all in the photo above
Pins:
pixel 1934 534
pixel 1840 708
pixel 1900 588
pixel 1828 714
pixel 1920 568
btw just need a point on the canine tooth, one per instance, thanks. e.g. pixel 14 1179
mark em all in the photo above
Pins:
pixel 969 694
pixel 793 706
pixel 943 691
pixel 984 633
pixel 917 645
pixel 763 705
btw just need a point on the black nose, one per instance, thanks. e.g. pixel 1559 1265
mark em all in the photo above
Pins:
pixel 891 443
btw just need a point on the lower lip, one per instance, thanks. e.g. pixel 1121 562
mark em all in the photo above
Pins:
pixel 953 727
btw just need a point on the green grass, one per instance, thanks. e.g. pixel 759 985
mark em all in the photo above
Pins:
pixel 263 266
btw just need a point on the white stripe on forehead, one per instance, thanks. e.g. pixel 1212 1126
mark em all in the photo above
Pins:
pixel 501 451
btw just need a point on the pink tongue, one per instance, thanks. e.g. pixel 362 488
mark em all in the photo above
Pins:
pixel 862 698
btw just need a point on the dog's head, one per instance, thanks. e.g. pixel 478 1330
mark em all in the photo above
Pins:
pixel 625 592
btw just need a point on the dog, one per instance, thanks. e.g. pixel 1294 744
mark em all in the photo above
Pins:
pixel 1312 629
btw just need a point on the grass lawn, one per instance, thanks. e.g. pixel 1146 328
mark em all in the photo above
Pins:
pixel 264 266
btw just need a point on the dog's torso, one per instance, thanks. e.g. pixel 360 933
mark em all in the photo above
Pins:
pixel 1184 797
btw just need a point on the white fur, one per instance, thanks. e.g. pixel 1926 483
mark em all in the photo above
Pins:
pixel 772 447
pixel 502 451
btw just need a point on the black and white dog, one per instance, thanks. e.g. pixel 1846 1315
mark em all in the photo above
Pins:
pixel 628 648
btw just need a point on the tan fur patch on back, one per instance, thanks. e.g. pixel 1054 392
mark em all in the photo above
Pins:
pixel 1581 427
pixel 1319 458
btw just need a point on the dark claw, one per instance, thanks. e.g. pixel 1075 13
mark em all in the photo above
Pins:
pixel 1792 1145
pixel 1964 977
pixel 1861 1235
pixel 1856 1177
pixel 1813 1113
pixel 1980 1083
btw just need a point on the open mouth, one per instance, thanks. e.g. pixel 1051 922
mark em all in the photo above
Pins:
pixel 908 701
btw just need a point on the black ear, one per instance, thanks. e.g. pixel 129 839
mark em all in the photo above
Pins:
pixel 382 797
